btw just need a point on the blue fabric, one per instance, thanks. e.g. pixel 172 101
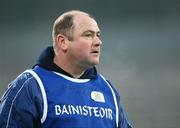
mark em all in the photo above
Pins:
pixel 64 96
pixel 22 104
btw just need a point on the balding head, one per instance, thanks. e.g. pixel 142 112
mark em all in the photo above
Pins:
pixel 64 24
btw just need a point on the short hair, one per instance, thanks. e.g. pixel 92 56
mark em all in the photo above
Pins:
pixel 64 24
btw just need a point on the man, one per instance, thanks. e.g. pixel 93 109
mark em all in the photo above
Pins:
pixel 64 90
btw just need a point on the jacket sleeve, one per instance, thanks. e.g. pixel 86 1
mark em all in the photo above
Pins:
pixel 123 121
pixel 21 104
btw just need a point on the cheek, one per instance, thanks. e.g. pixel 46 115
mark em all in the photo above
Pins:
pixel 80 49
pixel 83 46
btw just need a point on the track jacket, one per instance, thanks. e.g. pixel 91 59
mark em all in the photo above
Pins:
pixel 48 97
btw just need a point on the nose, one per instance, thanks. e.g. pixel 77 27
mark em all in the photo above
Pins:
pixel 97 41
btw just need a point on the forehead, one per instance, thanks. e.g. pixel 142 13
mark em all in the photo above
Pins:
pixel 83 22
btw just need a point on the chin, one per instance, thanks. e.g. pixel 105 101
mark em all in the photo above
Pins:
pixel 91 62
pixel 95 62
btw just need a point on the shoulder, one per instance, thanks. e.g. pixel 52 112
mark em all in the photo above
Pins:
pixel 20 98
pixel 24 80
pixel 24 85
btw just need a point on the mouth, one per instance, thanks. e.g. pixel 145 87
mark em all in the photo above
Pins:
pixel 95 52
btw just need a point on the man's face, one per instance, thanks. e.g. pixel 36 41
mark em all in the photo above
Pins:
pixel 84 49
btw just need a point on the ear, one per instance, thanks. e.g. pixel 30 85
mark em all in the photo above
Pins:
pixel 62 42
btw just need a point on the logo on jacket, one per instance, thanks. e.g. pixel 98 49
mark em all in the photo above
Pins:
pixel 97 96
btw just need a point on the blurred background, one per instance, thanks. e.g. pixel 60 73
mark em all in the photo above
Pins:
pixel 140 50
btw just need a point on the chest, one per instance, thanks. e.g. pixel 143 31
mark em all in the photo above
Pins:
pixel 78 104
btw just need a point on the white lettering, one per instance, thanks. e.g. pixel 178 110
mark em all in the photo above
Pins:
pixel 101 112
pixel 84 111
pixel 80 109
pixel 69 108
pixel 110 113
pixel 96 111
pixel 75 110
pixel 64 110
pixel 57 109
pixel 90 114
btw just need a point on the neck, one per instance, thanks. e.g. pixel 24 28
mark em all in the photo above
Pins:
pixel 72 69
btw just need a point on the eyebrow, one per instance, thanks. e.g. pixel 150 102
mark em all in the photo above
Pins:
pixel 91 31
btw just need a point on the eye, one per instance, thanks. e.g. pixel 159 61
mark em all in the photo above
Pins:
pixel 88 35
pixel 98 35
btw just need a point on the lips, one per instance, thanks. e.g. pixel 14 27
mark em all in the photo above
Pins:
pixel 95 52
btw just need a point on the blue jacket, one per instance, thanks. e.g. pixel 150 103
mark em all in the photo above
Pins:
pixel 24 105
